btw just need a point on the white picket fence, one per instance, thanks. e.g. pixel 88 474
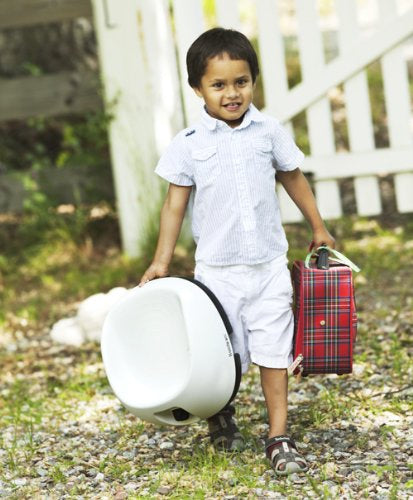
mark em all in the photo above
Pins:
pixel 142 70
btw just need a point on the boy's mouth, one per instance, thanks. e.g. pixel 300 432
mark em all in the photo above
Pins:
pixel 232 106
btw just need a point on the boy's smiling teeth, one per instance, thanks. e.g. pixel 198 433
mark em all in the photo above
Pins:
pixel 232 105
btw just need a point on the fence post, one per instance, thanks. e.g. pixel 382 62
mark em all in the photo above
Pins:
pixel 397 97
pixel 359 121
pixel 138 70
pixel 319 119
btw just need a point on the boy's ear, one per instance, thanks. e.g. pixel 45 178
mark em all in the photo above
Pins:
pixel 197 91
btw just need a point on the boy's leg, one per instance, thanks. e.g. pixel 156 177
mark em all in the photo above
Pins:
pixel 274 384
pixel 280 448
pixel 223 431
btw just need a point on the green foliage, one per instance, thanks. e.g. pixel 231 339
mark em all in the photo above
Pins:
pixel 40 142
pixel 378 105
pixel 209 10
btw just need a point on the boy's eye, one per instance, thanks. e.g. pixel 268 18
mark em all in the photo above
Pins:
pixel 218 85
pixel 241 81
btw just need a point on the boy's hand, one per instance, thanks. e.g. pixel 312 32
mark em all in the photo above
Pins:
pixel 322 237
pixel 155 270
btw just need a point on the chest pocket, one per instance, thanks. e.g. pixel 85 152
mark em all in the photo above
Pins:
pixel 263 152
pixel 206 165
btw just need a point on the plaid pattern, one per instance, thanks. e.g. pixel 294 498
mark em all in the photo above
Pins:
pixel 325 318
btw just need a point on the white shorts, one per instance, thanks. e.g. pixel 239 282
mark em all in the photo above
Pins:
pixel 258 303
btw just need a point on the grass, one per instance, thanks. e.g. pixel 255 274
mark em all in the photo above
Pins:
pixel 63 434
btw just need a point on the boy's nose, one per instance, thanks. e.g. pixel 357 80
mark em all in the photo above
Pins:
pixel 232 92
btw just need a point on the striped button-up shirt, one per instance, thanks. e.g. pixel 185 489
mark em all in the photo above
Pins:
pixel 235 215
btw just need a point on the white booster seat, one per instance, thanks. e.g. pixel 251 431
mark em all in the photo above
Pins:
pixel 167 353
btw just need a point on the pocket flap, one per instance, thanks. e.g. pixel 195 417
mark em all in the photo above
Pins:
pixel 264 146
pixel 204 154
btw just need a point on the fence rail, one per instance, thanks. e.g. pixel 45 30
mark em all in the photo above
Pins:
pixel 20 13
pixel 52 94
pixel 49 95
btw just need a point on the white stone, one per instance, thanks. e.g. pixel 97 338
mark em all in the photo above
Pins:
pixel 131 486
pixel 358 369
pixel 88 322
pixel 68 331
pixel 20 481
pixel 91 315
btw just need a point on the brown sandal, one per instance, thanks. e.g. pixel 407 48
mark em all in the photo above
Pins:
pixel 283 455
pixel 223 431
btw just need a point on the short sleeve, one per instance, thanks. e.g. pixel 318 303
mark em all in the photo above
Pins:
pixel 286 153
pixel 175 164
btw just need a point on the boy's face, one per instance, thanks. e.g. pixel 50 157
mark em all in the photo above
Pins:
pixel 227 88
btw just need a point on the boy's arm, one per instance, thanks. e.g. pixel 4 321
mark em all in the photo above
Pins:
pixel 300 192
pixel 172 215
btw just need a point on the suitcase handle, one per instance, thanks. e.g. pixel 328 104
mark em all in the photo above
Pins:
pixel 322 259
pixel 338 257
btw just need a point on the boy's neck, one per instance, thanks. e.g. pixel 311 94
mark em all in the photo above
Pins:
pixel 234 124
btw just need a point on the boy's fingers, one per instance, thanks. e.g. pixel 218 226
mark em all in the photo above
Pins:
pixel 145 279
pixel 151 275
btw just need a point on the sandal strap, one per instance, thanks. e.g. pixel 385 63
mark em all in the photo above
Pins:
pixel 220 431
pixel 223 431
pixel 284 454
pixel 279 439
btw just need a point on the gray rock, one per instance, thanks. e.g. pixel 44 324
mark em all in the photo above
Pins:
pixel 166 445
pixel 297 478
pixel 41 472
pixel 164 490
pixel 131 486
pixel 20 481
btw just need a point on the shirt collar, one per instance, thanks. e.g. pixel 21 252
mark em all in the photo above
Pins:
pixel 252 115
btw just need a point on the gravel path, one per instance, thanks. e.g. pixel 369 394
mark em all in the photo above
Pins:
pixel 65 435
pixel 68 437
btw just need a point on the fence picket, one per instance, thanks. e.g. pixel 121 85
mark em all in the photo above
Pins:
pixel 360 128
pixel 403 184
pixel 289 210
pixel 397 96
pixel 275 82
pixel 228 14
pixel 273 64
pixel 189 24
pixel 319 119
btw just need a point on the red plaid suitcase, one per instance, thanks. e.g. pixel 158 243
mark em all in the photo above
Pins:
pixel 325 314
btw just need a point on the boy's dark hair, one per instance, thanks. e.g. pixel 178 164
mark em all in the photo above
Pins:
pixel 214 42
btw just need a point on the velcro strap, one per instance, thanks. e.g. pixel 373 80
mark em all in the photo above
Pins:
pixel 272 449
pixel 279 439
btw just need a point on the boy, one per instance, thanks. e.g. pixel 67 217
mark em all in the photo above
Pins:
pixel 231 158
